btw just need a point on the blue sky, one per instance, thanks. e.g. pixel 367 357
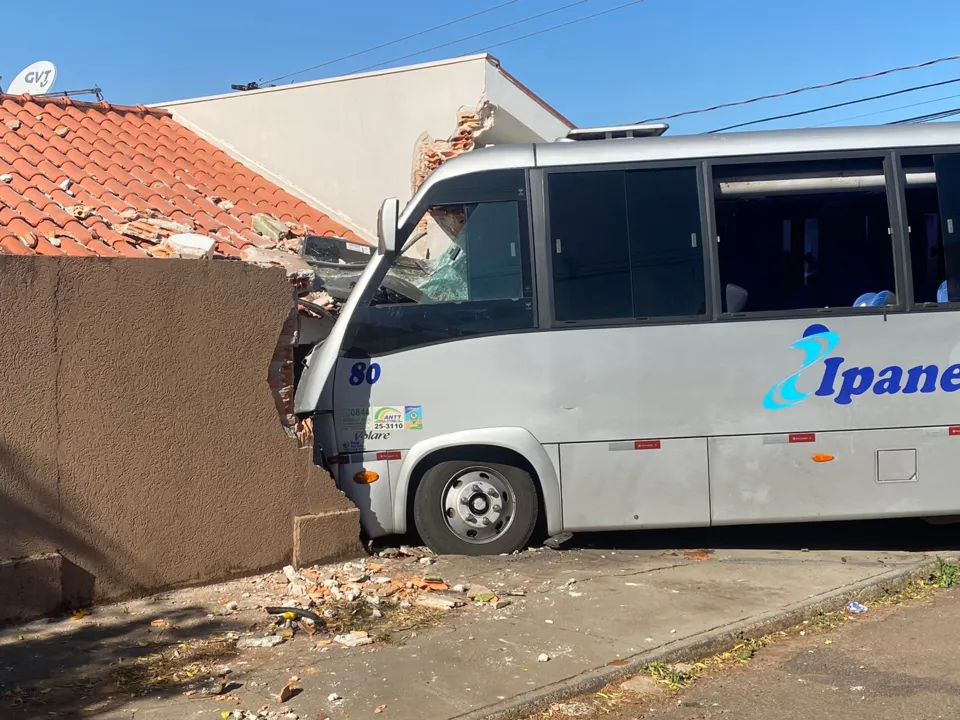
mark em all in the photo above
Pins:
pixel 654 58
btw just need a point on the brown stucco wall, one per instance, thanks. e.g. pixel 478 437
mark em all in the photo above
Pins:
pixel 138 434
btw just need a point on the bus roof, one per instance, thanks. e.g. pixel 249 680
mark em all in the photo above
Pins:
pixel 691 147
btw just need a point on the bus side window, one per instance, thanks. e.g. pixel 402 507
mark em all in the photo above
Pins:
pixel 626 244
pixel 932 191
pixel 805 235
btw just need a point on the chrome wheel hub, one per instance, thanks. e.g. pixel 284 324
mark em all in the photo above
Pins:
pixel 477 505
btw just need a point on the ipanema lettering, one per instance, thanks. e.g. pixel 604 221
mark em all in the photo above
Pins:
pixel 843 384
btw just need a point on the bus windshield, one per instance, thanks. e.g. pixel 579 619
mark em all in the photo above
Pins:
pixel 465 270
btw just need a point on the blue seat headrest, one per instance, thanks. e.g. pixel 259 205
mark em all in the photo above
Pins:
pixel 884 297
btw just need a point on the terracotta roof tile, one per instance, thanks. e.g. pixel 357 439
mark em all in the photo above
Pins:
pixel 13 246
pixel 102 249
pixel 45 247
pixel 122 160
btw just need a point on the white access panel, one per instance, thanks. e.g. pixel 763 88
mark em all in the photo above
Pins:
pixel 635 484
pixel 835 475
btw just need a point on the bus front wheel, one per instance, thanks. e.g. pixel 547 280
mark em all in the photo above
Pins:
pixel 470 508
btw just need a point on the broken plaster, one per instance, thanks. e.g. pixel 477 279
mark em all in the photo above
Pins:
pixel 430 153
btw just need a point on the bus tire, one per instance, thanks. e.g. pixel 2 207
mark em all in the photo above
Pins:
pixel 475 508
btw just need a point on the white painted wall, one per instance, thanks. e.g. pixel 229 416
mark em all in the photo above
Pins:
pixel 344 144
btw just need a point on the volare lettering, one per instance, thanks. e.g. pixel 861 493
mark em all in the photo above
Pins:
pixel 844 383
pixel 364 435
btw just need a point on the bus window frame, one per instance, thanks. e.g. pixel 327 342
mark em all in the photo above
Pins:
pixel 545 246
pixel 899 177
pixel 424 207
pixel 901 276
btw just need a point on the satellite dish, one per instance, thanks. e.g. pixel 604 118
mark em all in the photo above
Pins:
pixel 36 79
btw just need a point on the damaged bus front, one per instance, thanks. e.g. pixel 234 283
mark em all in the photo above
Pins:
pixel 455 264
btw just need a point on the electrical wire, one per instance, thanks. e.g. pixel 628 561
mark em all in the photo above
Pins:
pixel 561 25
pixel 927 118
pixel 807 88
pixel 393 42
pixel 521 21
pixel 834 106
pixel 883 112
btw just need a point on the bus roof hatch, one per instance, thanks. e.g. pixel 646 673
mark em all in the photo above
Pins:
pixel 617 131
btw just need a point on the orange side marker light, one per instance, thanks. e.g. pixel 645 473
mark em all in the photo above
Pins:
pixel 365 477
pixel 822 457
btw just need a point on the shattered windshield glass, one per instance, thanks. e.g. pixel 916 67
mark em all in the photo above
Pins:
pixel 443 279
pixel 465 269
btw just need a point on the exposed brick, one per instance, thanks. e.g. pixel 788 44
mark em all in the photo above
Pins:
pixel 431 153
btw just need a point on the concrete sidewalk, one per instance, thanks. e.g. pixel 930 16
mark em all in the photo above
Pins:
pixel 579 610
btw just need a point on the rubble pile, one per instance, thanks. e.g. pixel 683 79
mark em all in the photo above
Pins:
pixel 342 605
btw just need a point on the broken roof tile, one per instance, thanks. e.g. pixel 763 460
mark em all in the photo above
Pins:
pixel 117 160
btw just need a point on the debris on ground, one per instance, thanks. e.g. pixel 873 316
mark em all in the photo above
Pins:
pixel 197 665
pixel 573 709
pixel 698 555
pixel 543 658
pixel 268 641
pixel 343 605
pixel 291 689
pixel 641 685
pixel 438 602
pixel 219 684
pixel 557 540
pixel 354 639
pixel 856 608
pixel 320 609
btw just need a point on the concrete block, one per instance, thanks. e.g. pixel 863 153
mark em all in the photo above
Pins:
pixel 30 587
pixel 327 537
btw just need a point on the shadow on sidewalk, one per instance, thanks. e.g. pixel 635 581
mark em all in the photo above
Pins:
pixel 64 668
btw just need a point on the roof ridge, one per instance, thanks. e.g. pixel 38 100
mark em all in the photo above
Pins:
pixel 101 105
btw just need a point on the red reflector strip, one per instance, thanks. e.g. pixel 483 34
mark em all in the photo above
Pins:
pixel 646 445
pixel 955 429
pixel 389 455
pixel 802 437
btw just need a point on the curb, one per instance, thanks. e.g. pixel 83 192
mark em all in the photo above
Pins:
pixel 704 644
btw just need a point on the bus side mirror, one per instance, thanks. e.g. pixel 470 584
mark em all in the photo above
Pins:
pixel 387 226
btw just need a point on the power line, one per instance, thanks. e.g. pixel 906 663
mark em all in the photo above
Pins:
pixel 927 118
pixel 475 35
pixel 834 106
pixel 797 91
pixel 883 112
pixel 393 42
pixel 562 25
